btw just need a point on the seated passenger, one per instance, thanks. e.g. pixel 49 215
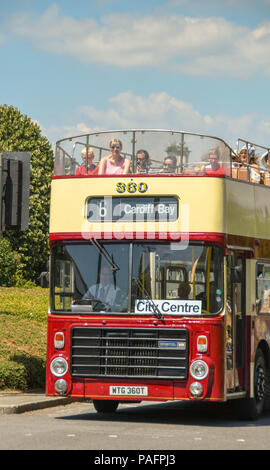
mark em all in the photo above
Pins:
pixel 169 164
pixel 255 174
pixel 249 163
pixel 264 163
pixel 215 168
pixel 184 290
pixel 91 168
pixel 243 157
pixel 243 164
pixel 114 164
pixel 142 161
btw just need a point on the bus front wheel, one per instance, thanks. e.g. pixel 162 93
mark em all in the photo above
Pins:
pixel 105 406
pixel 252 408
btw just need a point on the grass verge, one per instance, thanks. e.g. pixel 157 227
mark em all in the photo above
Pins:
pixel 23 336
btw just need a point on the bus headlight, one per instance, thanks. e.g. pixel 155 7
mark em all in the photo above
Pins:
pixel 61 386
pixel 59 366
pixel 199 370
pixel 196 389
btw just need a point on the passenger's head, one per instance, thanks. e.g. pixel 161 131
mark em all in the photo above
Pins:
pixel 253 160
pixel 90 155
pixel 169 164
pixel 184 290
pixel 243 155
pixel 105 275
pixel 213 158
pixel 115 146
pixel 142 160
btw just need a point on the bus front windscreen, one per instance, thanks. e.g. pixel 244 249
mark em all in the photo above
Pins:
pixel 138 278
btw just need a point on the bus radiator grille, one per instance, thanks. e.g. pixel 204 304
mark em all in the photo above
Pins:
pixel 129 352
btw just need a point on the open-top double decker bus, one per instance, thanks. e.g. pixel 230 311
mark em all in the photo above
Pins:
pixel 159 270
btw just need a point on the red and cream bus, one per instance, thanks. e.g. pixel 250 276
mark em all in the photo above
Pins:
pixel 159 270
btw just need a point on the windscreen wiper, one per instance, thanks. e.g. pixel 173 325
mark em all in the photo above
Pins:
pixel 155 308
pixel 104 253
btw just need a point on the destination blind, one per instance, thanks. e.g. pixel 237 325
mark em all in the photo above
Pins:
pixel 169 307
pixel 112 209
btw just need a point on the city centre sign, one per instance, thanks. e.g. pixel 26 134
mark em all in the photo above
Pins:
pixel 169 307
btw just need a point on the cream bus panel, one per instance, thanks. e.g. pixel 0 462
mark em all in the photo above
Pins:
pixel 200 204
pixel 213 205
pixel 248 209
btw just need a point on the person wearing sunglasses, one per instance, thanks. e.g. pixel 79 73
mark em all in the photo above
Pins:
pixel 214 168
pixel 169 164
pixel 114 164
pixel 142 161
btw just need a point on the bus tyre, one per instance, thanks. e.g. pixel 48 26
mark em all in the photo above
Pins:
pixel 252 408
pixel 267 390
pixel 105 406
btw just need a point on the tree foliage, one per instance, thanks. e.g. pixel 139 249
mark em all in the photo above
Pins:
pixel 8 264
pixel 18 133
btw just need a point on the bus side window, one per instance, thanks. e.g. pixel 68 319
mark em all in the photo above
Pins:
pixel 263 288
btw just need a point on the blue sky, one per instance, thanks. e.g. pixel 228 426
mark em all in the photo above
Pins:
pixel 193 65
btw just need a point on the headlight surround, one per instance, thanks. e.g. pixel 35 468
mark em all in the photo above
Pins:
pixel 59 366
pixel 199 369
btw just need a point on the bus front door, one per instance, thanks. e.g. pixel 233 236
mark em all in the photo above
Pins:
pixel 235 322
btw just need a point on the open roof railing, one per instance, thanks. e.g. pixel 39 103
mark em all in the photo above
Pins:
pixel 190 148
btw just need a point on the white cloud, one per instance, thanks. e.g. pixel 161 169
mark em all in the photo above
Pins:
pixel 199 46
pixel 161 111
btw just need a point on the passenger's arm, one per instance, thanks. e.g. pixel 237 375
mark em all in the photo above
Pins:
pixel 126 166
pixel 102 166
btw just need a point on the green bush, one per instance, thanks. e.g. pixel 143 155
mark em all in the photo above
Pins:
pixel 13 376
pixel 21 282
pixel 23 337
pixel 22 373
pixel 8 264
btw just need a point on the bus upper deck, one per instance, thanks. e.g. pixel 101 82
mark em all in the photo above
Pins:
pixel 160 152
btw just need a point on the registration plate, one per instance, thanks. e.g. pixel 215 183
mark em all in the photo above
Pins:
pixel 129 390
